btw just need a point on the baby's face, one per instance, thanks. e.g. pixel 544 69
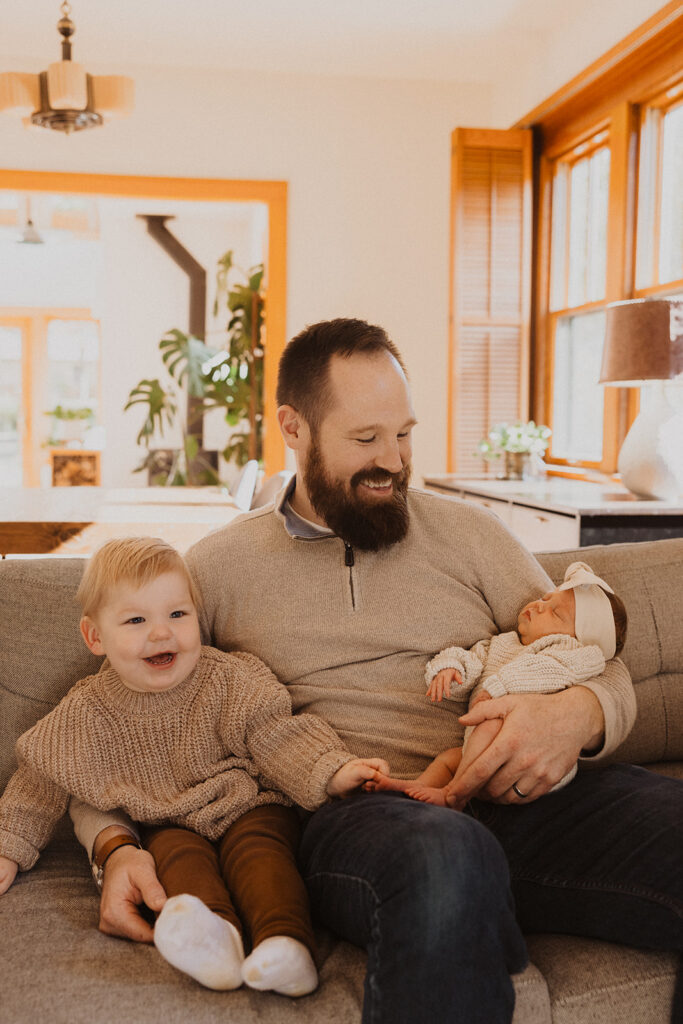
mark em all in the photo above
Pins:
pixel 553 613
pixel 150 634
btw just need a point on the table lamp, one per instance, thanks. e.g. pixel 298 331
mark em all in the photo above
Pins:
pixel 644 348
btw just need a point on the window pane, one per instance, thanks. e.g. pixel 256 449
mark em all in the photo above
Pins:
pixel 577 397
pixel 73 360
pixel 558 297
pixel 671 213
pixel 588 202
pixel 10 407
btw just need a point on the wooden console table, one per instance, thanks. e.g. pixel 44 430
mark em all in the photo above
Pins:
pixel 555 513
pixel 76 520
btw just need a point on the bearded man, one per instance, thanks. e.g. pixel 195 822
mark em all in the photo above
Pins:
pixel 345 587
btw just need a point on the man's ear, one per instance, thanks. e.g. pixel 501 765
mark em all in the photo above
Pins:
pixel 91 635
pixel 295 430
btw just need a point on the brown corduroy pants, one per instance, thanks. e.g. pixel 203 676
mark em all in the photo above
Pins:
pixel 250 877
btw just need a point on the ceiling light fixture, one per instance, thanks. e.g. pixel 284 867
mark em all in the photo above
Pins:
pixel 64 97
pixel 30 235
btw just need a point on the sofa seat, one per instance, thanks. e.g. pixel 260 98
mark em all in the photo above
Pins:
pixel 57 967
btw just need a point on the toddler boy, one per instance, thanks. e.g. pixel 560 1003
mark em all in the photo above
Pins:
pixel 181 735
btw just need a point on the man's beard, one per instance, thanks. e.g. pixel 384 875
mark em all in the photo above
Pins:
pixel 367 525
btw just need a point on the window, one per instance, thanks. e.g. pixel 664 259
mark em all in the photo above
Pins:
pixel 659 261
pixel 48 364
pixel 10 405
pixel 578 262
pixel 609 227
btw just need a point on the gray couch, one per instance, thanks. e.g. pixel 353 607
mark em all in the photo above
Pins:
pixel 57 967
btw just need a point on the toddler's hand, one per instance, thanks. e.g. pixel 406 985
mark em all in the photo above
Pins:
pixel 8 871
pixel 354 773
pixel 441 683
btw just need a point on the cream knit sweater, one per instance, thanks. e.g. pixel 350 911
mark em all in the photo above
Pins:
pixel 351 641
pixel 200 755
pixel 503 664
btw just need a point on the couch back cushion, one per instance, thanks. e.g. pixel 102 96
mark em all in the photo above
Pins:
pixel 42 653
pixel 648 577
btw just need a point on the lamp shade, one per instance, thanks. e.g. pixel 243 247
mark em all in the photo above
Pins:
pixel 643 341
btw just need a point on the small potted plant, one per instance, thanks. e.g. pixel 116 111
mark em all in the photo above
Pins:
pixel 517 443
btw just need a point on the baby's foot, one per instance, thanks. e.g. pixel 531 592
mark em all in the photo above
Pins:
pixel 199 943
pixel 427 794
pixel 281 964
pixel 386 783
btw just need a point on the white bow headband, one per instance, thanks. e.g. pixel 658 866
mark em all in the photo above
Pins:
pixel 594 615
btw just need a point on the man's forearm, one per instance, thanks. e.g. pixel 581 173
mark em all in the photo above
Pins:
pixel 616 696
pixel 90 824
pixel 587 704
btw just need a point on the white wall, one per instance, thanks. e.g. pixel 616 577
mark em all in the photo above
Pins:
pixel 367 163
pixel 573 36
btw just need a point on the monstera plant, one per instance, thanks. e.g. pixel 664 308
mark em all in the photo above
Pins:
pixel 229 378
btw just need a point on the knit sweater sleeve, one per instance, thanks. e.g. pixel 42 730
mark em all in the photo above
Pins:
pixel 298 754
pixel 469 664
pixel 30 807
pixel 553 668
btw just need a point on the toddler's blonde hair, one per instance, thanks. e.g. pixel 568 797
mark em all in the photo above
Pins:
pixel 132 560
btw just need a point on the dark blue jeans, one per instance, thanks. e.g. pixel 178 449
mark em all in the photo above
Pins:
pixel 439 899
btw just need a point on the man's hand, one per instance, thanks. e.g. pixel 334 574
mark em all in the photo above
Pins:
pixel 354 773
pixel 541 738
pixel 130 879
pixel 8 872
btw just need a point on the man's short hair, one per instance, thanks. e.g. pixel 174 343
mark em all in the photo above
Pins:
pixel 132 560
pixel 303 374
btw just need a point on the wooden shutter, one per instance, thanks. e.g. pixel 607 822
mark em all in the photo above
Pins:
pixel 490 287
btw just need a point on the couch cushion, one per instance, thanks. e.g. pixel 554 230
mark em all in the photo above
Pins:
pixel 43 653
pixel 593 982
pixel 64 970
pixel 648 577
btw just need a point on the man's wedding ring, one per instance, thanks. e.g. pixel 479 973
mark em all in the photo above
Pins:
pixel 518 791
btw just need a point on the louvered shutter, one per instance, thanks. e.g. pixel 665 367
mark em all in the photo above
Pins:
pixel 490 287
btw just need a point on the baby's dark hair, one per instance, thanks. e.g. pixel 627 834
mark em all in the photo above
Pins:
pixel 620 620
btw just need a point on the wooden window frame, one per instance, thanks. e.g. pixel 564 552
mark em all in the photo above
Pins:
pixel 609 95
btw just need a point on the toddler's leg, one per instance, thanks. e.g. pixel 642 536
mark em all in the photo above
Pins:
pixel 258 861
pixel 198 930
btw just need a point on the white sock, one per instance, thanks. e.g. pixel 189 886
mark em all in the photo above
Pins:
pixel 281 964
pixel 200 943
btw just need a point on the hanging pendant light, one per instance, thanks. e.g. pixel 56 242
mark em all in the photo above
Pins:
pixel 30 235
pixel 64 97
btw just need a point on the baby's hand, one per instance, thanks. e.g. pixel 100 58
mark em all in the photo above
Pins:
pixel 441 683
pixel 8 871
pixel 354 773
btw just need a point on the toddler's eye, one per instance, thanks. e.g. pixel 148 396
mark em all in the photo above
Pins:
pixel 136 619
pixel 178 614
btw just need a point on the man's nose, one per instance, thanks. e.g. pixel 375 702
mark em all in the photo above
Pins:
pixel 389 457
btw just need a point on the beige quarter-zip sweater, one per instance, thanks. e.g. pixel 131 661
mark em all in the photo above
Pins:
pixel 350 632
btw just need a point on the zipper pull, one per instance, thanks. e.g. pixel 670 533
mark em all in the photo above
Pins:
pixel 349 560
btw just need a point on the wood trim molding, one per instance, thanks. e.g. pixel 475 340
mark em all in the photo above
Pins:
pixel 651 52
pixel 272 193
